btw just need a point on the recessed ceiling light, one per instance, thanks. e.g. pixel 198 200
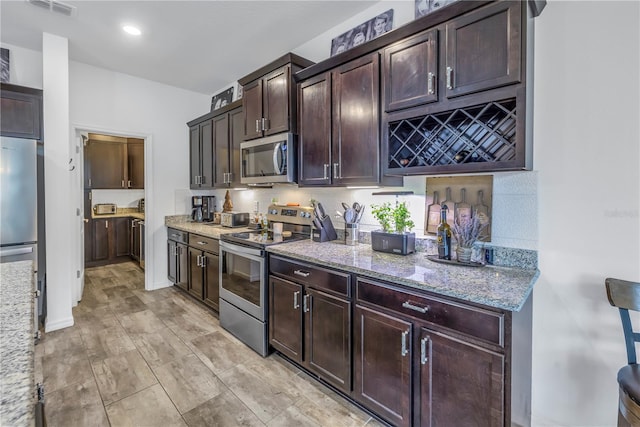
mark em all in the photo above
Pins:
pixel 130 29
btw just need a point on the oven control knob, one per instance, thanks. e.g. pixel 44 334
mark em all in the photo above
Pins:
pixel 273 212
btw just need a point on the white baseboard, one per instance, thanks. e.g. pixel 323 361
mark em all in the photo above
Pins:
pixel 58 324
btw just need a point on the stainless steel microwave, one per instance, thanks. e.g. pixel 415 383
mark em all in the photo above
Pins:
pixel 269 160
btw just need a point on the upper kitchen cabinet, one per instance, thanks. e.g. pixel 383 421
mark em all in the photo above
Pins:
pixel 214 147
pixel 269 101
pixel 21 112
pixel 113 162
pixel 483 49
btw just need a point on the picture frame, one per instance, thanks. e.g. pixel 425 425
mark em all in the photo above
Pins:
pixel 221 99
pixel 425 7
pixel 5 71
pixel 362 33
pixel 240 91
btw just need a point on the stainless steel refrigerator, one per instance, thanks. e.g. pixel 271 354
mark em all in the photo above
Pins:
pixel 22 208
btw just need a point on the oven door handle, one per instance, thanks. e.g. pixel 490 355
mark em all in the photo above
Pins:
pixel 245 251
pixel 278 161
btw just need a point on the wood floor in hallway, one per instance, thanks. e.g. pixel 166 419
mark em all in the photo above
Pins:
pixel 158 358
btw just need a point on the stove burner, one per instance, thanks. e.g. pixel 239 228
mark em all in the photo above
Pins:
pixel 261 238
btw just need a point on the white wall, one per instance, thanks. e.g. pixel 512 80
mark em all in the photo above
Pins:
pixel 587 156
pixel 25 66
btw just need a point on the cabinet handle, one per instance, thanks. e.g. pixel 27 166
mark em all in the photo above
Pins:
pixel 201 243
pixel 89 185
pixel 405 350
pixel 198 258
pixel 335 170
pixel 203 261
pixel 123 184
pixel 36 294
pixel 423 350
pixel 305 303
pixel 326 171
pixel 229 177
pixel 430 82
pixel 301 273
pixel 265 124
pixel 203 179
pixel 129 183
pixel 410 306
pixel 257 125
pixel 106 224
pixel 296 303
pixel 449 78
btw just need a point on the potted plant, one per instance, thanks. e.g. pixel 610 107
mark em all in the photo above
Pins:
pixel 466 232
pixel 396 236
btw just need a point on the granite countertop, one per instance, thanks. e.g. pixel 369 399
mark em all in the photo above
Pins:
pixel 121 213
pixel 207 229
pixel 499 287
pixel 17 384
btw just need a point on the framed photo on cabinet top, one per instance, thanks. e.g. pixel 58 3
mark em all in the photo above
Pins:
pixel 222 99
pixel 424 7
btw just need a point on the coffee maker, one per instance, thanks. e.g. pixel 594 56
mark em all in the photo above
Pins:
pixel 202 208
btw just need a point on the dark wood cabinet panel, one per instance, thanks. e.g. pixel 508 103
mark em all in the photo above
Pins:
pixel 221 146
pixel 483 49
pixel 196 277
pixel 285 317
pixel 121 246
pixel 382 364
pixel 135 163
pixel 100 239
pixel 328 338
pixel 410 70
pixel 207 154
pixel 252 106
pixel 21 111
pixel 355 148
pixel 211 280
pixel 88 227
pixel 236 136
pixel 134 238
pixel 195 169
pixel 459 381
pixel 276 104
pixel 183 266
pixel 172 261
pixel 107 164
pixel 314 97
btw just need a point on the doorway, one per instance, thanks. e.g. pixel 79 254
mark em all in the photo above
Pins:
pixel 110 169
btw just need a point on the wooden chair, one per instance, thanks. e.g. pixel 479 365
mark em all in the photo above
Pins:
pixel 626 296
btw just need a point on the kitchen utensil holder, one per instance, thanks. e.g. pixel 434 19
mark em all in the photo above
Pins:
pixel 351 234
pixel 326 233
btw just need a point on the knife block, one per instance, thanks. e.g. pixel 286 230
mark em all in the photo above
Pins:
pixel 326 233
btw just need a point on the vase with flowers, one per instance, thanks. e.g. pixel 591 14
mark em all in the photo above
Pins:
pixel 466 232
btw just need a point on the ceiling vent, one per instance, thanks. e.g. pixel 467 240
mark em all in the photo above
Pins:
pixel 55 6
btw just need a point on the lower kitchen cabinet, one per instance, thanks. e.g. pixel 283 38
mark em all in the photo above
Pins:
pixel 109 239
pixel 100 239
pixel 178 258
pixel 203 264
pixel 310 321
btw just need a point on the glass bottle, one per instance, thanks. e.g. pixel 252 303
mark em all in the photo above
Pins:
pixel 444 235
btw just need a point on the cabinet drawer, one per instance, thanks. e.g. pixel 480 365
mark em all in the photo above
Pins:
pixel 205 243
pixel 477 322
pixel 310 275
pixel 177 235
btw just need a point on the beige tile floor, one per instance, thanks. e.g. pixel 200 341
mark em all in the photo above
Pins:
pixel 158 358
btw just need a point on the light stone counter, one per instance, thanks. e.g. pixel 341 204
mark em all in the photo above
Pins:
pixel 121 213
pixel 184 223
pixel 499 287
pixel 17 385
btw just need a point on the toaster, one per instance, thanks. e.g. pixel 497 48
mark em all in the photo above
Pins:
pixel 104 209
pixel 234 219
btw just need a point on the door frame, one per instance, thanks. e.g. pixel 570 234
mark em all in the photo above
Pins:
pixel 77 159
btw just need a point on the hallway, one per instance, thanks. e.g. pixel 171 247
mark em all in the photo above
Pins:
pixel 139 358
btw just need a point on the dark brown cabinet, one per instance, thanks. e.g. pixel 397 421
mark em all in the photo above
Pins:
pixel 21 110
pixel 113 162
pixel 339 133
pixel 382 364
pixel 177 258
pixel 100 239
pixel 310 319
pixel 110 240
pixel 410 70
pixel 214 148
pixel 135 163
pixel 122 243
pixel 134 248
pixel 483 49
pixel 268 99
pixel 203 264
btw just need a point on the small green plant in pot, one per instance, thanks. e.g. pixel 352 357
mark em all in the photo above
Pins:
pixel 396 236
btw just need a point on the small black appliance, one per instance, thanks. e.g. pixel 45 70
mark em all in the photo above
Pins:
pixel 202 208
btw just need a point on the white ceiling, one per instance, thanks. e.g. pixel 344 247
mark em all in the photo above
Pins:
pixel 196 45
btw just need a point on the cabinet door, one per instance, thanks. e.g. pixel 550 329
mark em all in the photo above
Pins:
pixel 410 72
pixel 211 280
pixel 356 145
pixel 135 165
pixel 172 261
pixel 221 147
pixel 382 364
pixel 88 228
pixel 328 337
pixel 194 155
pixel 122 243
pixel 252 107
pixel 276 101
pixel 314 140
pixel 483 49
pixel 135 239
pixel 460 384
pixel 285 317
pixel 100 239
pixel 236 134
pixel 21 114
pixel 183 266
pixel 107 165
pixel 207 155
pixel 196 284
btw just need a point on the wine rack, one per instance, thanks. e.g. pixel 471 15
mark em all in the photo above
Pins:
pixel 479 134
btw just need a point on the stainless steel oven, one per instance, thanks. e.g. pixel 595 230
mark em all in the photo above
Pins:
pixel 243 274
